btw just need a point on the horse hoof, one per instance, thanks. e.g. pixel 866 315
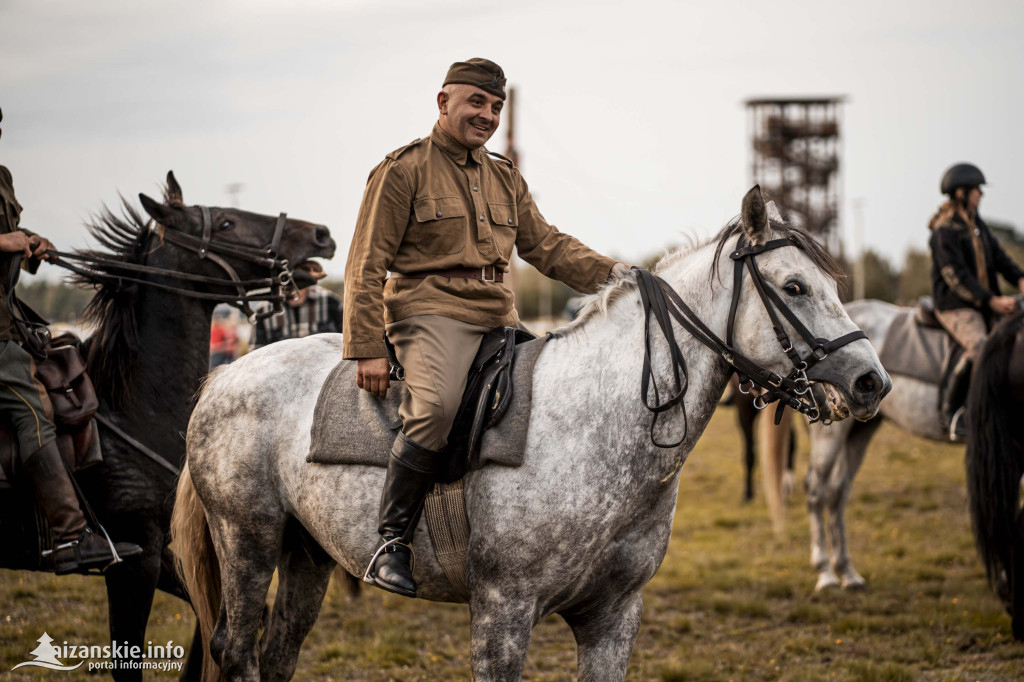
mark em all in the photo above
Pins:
pixel 826 582
pixel 857 584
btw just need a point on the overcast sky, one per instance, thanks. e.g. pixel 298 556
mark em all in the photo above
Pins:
pixel 630 119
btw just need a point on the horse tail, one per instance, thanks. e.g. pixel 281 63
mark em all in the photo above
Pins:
pixel 198 567
pixel 993 457
pixel 775 446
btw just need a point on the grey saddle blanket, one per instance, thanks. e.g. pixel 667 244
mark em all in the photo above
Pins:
pixel 350 426
pixel 915 351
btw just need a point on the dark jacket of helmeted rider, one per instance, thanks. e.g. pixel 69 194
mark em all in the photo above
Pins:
pixel 76 547
pixel 442 215
pixel 966 261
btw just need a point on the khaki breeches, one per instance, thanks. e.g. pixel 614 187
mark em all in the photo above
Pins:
pixel 967 327
pixel 436 353
pixel 21 399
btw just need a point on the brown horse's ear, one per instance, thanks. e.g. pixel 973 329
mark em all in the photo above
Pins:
pixel 754 216
pixel 172 193
pixel 171 215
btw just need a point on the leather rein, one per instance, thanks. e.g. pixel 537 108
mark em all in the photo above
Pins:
pixel 209 248
pixel 661 302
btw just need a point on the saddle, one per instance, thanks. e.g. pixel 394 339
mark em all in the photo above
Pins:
pixel 69 401
pixel 918 346
pixel 490 427
pixel 500 363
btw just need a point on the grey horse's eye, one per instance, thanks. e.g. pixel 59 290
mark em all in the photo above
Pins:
pixel 225 224
pixel 794 288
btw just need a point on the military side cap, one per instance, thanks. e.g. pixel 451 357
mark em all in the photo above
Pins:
pixel 483 73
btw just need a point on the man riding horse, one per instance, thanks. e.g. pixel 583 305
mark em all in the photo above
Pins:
pixel 965 261
pixel 77 548
pixel 442 214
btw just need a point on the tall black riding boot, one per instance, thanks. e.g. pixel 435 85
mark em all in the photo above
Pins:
pixel 955 400
pixel 76 547
pixel 410 476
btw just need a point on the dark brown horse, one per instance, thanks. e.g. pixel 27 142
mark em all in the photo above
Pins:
pixel 995 463
pixel 147 358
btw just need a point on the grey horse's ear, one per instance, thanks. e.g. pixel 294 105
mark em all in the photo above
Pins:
pixel 773 212
pixel 172 193
pixel 172 215
pixel 754 216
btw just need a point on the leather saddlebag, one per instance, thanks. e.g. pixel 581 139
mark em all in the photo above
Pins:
pixel 63 375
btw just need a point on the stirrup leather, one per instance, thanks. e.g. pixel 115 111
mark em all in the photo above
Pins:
pixel 383 549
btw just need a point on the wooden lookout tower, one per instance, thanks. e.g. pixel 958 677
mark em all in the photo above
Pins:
pixel 796 153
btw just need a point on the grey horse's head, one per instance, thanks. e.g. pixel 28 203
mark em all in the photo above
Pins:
pixel 848 382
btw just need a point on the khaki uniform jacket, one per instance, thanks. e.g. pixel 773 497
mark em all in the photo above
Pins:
pixel 10 215
pixel 434 205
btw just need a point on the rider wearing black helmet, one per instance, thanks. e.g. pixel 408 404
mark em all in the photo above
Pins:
pixel 966 259
pixel 76 547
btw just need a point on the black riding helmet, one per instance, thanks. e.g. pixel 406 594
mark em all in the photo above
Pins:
pixel 961 175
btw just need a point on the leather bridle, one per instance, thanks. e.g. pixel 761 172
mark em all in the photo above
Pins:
pixel 280 282
pixel 661 302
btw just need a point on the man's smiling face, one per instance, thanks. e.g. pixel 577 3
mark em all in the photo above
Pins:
pixel 469 114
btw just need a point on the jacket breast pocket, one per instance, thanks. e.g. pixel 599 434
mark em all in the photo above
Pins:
pixel 504 222
pixel 440 228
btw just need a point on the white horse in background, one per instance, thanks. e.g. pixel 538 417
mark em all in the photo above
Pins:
pixel 577 530
pixel 838 450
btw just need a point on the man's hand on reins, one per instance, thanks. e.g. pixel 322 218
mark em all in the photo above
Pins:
pixel 373 375
pixel 40 245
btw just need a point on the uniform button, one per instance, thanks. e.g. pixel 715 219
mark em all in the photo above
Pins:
pixel 481 218
pixel 509 221
pixel 475 188
pixel 438 214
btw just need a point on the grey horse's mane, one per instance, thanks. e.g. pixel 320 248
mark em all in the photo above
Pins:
pixel 598 304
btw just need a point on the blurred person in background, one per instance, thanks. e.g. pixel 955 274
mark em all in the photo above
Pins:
pixel 76 547
pixel 223 337
pixel 313 310
pixel 966 258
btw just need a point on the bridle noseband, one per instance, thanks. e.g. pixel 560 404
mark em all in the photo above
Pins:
pixel 207 247
pixel 661 302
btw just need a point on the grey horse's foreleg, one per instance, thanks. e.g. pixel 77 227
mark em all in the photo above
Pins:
pixel 840 483
pixel 248 555
pixel 501 620
pixel 605 638
pixel 303 576
pixel 827 445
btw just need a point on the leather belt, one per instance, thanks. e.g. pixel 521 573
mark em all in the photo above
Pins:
pixel 489 273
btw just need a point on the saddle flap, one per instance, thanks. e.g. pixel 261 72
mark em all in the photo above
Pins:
pixel 916 351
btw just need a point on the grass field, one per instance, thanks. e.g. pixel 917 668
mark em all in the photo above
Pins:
pixel 730 602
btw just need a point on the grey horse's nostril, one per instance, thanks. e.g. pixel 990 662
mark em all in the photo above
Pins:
pixel 322 235
pixel 868 383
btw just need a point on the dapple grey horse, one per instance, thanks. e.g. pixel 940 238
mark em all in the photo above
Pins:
pixel 837 452
pixel 577 530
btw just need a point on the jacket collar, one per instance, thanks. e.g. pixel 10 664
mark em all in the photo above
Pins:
pixel 450 146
